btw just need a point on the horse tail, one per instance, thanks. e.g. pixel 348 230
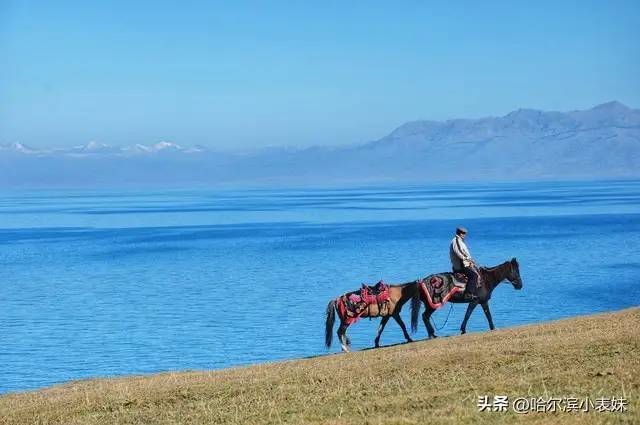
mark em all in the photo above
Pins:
pixel 331 318
pixel 416 300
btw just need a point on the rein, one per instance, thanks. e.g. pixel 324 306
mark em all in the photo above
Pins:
pixel 445 320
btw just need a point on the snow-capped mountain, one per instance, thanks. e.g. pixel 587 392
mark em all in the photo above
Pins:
pixel 96 148
pixel 17 147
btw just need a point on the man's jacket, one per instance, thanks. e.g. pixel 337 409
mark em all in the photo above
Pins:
pixel 459 254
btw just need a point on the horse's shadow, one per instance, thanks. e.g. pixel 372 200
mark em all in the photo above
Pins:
pixel 387 346
pixel 371 348
pixel 402 343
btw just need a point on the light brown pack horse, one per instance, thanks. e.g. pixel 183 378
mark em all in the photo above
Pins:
pixel 398 296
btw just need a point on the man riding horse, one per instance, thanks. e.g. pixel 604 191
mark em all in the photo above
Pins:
pixel 461 261
pixel 481 283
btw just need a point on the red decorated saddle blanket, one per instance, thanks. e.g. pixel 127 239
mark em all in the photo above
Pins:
pixel 437 289
pixel 353 305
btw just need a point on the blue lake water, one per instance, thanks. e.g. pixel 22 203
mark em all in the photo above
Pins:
pixel 108 283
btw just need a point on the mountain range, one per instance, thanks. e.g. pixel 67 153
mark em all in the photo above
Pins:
pixel 527 144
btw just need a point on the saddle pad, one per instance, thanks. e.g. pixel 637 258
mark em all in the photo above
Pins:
pixel 437 289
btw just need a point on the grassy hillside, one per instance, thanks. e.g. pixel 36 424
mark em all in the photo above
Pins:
pixel 435 381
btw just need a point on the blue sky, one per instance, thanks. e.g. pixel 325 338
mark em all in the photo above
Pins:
pixel 252 74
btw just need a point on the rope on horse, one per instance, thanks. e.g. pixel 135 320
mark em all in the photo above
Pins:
pixel 445 321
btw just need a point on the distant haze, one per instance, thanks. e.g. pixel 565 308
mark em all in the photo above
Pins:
pixel 526 144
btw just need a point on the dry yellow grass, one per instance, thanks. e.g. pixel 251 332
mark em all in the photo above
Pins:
pixel 436 381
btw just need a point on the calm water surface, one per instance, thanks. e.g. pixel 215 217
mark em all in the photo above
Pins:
pixel 106 283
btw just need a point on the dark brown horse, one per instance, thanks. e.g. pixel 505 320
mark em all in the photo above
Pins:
pixel 490 278
pixel 398 296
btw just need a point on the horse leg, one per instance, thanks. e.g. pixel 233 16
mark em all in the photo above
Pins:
pixel 426 316
pixel 472 305
pixel 487 312
pixel 398 320
pixel 342 336
pixel 383 323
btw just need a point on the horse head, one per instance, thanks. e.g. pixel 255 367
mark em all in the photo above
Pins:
pixel 513 274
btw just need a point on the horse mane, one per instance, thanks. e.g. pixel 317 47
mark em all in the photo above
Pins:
pixel 494 268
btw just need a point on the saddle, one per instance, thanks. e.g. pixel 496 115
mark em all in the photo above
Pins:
pixel 357 302
pixel 460 279
pixel 377 293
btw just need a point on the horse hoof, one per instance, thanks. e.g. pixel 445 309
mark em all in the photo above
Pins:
pixel 409 340
pixel 463 332
pixel 433 336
